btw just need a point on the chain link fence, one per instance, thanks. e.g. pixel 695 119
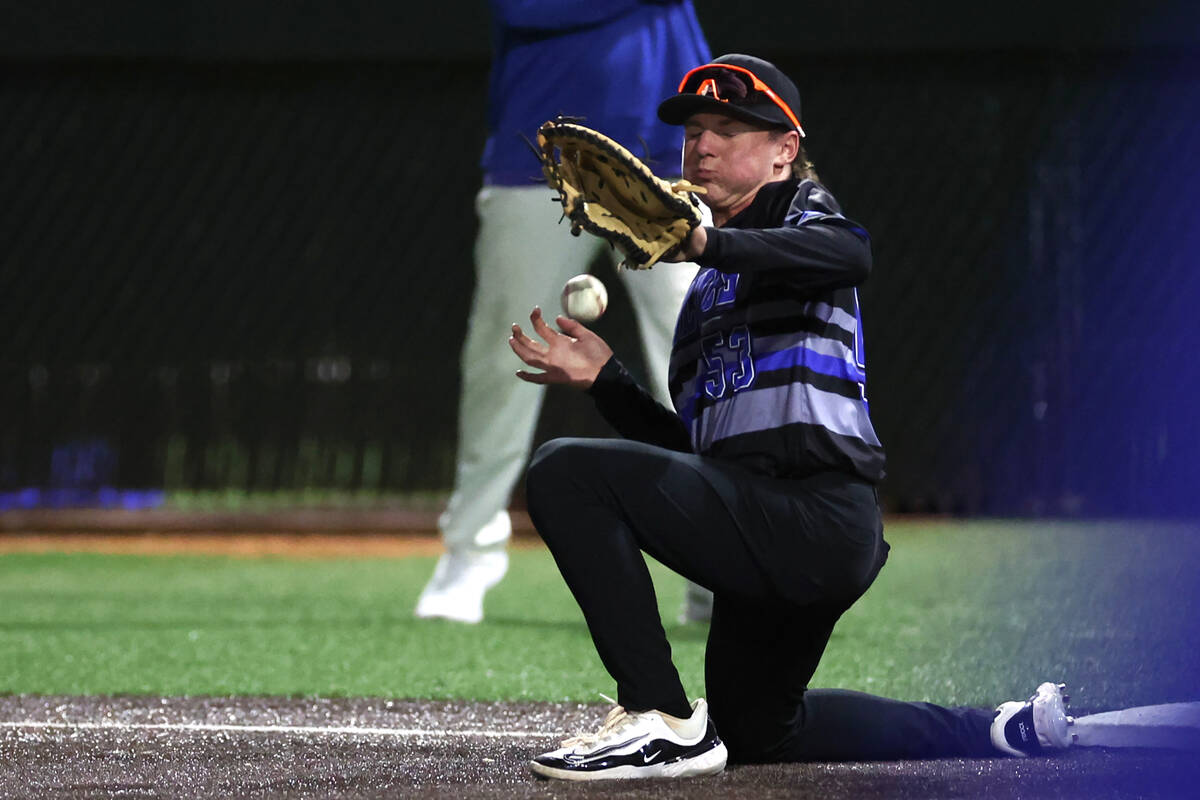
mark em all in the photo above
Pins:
pixel 256 277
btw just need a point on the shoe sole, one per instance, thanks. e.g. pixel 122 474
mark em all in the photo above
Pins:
pixel 710 762
pixel 423 614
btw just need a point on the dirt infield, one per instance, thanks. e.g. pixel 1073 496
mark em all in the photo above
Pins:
pixel 311 533
pixel 241 545
pixel 280 520
pixel 238 545
pixel 59 747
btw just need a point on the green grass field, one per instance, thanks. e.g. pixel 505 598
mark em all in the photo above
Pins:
pixel 965 612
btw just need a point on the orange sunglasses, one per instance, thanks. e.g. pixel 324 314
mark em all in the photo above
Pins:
pixel 708 88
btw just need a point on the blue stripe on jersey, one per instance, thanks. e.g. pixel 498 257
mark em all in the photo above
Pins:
pixel 798 218
pixel 801 356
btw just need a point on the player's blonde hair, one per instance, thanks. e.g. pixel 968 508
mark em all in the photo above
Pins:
pixel 802 167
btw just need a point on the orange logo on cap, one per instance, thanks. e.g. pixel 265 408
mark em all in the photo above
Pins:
pixel 708 88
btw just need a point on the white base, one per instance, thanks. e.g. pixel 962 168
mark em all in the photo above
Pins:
pixel 1174 726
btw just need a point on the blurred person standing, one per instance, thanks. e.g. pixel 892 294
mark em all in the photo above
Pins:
pixel 608 62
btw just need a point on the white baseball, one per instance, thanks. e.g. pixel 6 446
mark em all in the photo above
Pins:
pixel 584 298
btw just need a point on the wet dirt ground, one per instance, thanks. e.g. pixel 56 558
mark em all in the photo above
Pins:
pixel 135 747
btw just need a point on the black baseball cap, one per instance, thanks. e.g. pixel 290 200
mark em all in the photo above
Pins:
pixel 739 86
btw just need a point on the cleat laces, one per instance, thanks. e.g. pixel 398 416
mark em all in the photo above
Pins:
pixel 618 719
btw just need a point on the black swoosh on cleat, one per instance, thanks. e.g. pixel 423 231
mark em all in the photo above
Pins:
pixel 580 758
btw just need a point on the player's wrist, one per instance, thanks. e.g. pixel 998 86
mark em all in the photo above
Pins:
pixel 692 247
pixel 697 243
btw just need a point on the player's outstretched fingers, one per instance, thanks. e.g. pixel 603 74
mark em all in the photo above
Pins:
pixel 573 360
pixel 533 377
pixel 521 343
pixel 541 327
pixel 531 352
pixel 571 327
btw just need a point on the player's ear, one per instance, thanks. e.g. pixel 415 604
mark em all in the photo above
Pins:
pixel 787 146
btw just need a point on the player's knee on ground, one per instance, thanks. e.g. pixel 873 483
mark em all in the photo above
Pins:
pixel 750 740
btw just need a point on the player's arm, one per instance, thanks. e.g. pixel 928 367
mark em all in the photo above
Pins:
pixel 634 413
pixel 815 255
pixel 816 247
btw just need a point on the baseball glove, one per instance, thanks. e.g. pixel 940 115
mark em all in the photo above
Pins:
pixel 607 191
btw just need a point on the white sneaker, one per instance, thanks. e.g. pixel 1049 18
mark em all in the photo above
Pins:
pixel 642 744
pixel 1036 725
pixel 459 582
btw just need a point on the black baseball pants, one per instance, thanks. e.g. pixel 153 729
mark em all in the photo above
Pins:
pixel 784 559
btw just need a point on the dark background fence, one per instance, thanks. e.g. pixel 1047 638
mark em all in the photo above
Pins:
pixel 240 263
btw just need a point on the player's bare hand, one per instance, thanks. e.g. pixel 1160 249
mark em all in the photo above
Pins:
pixel 691 247
pixel 572 355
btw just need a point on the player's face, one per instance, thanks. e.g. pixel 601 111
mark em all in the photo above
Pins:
pixel 733 159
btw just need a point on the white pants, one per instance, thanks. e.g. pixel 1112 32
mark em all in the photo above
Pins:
pixel 523 256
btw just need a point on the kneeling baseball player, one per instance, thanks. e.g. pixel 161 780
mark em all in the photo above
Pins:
pixel 759 484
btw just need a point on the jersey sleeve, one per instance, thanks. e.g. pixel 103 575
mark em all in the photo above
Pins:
pixel 634 412
pixel 815 248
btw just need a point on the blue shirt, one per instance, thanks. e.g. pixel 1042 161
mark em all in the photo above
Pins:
pixel 610 62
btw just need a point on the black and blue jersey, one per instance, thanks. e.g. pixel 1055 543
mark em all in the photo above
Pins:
pixel 767 368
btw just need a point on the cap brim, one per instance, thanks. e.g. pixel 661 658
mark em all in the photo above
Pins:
pixel 676 110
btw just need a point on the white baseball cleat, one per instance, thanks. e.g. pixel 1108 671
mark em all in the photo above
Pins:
pixel 639 744
pixel 1038 725
pixel 459 582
